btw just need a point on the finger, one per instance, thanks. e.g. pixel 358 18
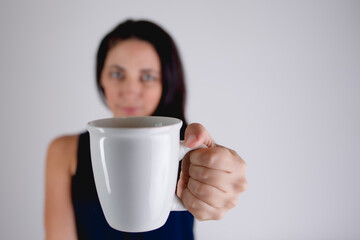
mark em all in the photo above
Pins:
pixel 201 210
pixel 216 178
pixel 196 135
pixel 219 158
pixel 181 185
pixel 211 195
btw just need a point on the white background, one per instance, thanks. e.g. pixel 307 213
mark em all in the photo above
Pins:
pixel 278 81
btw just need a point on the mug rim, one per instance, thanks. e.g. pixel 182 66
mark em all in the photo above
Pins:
pixel 110 123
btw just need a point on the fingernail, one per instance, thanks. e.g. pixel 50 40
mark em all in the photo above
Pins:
pixel 191 139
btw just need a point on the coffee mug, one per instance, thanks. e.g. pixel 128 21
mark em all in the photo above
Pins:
pixel 135 162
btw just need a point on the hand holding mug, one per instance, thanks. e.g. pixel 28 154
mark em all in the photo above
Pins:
pixel 212 178
pixel 135 163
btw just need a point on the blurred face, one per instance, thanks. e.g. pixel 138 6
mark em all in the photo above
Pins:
pixel 131 78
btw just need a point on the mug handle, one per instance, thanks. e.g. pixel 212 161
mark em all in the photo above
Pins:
pixel 177 203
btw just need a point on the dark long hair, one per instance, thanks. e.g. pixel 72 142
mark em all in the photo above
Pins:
pixel 172 102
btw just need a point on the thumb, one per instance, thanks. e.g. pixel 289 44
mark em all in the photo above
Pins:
pixel 196 135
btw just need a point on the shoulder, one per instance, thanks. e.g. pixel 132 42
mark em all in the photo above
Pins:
pixel 62 152
pixel 63 145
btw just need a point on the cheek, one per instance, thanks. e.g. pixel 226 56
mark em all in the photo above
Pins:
pixel 153 97
pixel 157 95
pixel 110 95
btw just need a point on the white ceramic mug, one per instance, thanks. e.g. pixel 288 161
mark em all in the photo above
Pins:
pixel 135 163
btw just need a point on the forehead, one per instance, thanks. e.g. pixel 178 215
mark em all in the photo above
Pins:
pixel 133 53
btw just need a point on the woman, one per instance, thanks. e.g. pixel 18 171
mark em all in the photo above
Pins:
pixel 139 73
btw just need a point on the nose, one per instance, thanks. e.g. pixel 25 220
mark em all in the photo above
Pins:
pixel 130 89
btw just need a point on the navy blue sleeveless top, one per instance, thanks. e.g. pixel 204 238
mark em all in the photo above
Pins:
pixel 90 219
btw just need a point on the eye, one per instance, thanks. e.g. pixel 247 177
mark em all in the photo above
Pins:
pixel 117 75
pixel 148 77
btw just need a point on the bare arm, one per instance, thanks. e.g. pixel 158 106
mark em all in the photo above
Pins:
pixel 60 166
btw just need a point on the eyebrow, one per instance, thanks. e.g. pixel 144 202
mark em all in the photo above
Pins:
pixel 145 70
pixel 117 67
pixel 149 71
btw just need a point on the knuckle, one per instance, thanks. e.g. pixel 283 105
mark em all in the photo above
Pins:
pixel 199 173
pixel 241 186
pixel 231 203
pixel 238 186
pixel 197 188
pixel 201 191
pixel 219 214
pixel 201 216
pixel 193 206
pixel 223 152
pixel 212 159
pixel 190 202
pixel 218 157
pixel 232 151
pixel 203 174
pixel 238 159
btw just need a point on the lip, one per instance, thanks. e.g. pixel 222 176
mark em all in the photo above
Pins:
pixel 130 110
